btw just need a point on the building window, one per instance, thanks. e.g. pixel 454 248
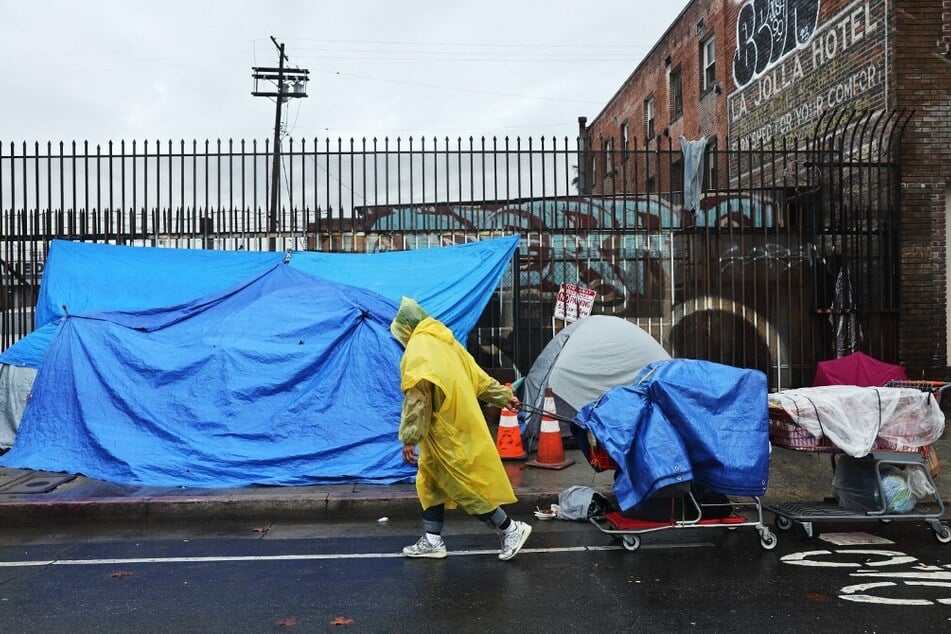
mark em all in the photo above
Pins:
pixel 676 181
pixel 625 141
pixel 676 92
pixel 710 170
pixel 649 119
pixel 609 158
pixel 708 65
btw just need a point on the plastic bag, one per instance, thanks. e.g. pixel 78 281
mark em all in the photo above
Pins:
pixel 856 485
pixel 919 483
pixel 897 493
pixel 852 418
pixel 580 503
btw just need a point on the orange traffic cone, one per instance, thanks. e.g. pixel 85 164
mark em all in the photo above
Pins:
pixel 551 451
pixel 508 440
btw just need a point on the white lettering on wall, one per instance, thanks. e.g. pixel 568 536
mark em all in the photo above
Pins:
pixel 767 31
pixel 795 80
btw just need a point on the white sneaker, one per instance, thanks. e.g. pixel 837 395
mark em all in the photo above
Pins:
pixel 513 541
pixel 423 548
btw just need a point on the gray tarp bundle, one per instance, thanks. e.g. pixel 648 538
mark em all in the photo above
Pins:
pixel 15 384
pixel 583 361
pixel 580 502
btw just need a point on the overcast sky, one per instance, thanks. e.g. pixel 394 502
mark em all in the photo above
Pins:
pixel 111 69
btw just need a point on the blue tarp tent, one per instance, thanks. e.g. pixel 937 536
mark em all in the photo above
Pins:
pixel 81 276
pixel 454 282
pixel 683 420
pixel 283 379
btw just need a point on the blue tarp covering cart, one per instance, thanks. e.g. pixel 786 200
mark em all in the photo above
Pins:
pixel 684 421
pixel 282 377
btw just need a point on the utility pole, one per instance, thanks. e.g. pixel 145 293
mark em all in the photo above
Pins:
pixel 283 77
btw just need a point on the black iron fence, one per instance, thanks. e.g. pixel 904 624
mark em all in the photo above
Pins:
pixel 784 255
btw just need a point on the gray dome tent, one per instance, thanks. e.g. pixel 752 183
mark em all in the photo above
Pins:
pixel 583 361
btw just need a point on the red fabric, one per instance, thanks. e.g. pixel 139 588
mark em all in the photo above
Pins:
pixel 857 369
pixel 630 524
pixel 601 460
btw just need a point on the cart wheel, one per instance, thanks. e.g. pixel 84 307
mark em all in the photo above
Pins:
pixel 768 540
pixel 783 523
pixel 631 542
pixel 943 534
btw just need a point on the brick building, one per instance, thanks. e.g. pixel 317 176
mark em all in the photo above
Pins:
pixel 786 74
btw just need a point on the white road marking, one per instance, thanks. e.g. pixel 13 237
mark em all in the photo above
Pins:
pixel 931 575
pixel 890 558
pixel 306 557
pixel 854 539
pixel 849 593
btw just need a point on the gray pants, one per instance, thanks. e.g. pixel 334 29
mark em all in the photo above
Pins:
pixel 435 516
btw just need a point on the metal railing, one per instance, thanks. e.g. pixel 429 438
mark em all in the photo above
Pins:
pixel 788 257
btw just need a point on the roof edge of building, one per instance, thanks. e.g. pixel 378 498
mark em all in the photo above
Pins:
pixel 644 59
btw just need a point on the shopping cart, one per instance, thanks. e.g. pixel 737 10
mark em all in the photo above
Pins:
pixel 695 515
pixel 885 456
pixel 683 504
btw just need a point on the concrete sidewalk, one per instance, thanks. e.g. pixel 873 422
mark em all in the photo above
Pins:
pixel 84 500
pixel 795 476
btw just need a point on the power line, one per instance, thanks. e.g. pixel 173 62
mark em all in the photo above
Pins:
pixel 467 90
pixel 418 43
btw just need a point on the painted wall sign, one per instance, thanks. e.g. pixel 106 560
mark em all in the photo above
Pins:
pixel 788 70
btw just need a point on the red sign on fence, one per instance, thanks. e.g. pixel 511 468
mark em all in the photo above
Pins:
pixel 574 302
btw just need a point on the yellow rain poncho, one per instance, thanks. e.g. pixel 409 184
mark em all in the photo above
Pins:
pixel 442 383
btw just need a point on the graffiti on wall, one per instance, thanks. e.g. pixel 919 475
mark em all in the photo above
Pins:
pixel 776 257
pixel 769 30
pixel 620 247
pixel 785 80
pixel 706 283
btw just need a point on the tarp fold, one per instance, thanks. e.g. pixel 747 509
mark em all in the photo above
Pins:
pixel 230 370
pixel 684 420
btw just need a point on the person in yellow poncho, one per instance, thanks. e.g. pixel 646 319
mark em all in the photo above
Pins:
pixel 458 464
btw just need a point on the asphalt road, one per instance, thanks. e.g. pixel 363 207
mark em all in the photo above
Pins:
pixel 349 576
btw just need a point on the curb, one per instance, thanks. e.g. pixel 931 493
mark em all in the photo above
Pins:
pixel 320 507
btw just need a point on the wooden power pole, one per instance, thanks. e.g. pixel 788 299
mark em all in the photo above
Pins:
pixel 291 83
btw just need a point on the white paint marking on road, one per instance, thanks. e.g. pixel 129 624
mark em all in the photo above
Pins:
pixel 849 595
pixel 854 539
pixel 871 598
pixel 310 557
pixel 890 558
pixel 803 559
pixel 930 575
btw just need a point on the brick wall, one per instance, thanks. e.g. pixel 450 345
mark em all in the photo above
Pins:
pixel 679 48
pixel 854 54
pixel 838 61
pixel 923 83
